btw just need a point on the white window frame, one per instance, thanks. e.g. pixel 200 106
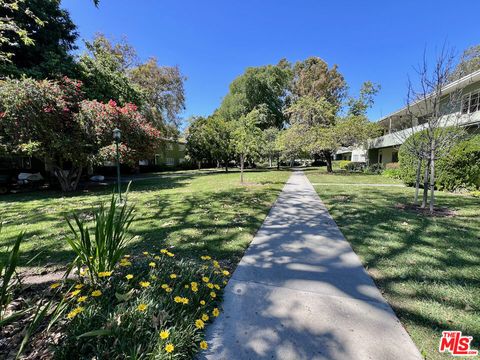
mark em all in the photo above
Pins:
pixel 469 96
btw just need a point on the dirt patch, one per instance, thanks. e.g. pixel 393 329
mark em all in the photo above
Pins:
pixel 437 212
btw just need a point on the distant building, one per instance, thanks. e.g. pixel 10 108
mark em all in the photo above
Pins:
pixel 397 128
pixel 172 153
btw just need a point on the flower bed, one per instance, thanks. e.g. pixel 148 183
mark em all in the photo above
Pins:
pixel 154 306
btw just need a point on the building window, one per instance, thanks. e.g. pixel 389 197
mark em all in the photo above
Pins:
pixel 471 102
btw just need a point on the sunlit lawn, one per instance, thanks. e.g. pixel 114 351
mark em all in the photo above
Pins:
pixel 427 267
pixel 195 213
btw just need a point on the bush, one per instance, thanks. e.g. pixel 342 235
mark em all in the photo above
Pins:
pixel 459 169
pixel 149 305
pixel 356 166
pixel 374 168
pixel 393 165
pixel 342 164
pixel 392 173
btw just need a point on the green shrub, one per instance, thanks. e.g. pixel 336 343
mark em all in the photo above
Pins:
pixel 457 170
pixel 102 253
pixel 355 166
pixel 475 193
pixel 125 315
pixel 392 173
pixel 374 168
pixel 393 165
pixel 343 164
pixel 460 168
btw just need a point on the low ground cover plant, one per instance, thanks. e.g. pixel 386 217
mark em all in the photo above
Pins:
pixel 151 306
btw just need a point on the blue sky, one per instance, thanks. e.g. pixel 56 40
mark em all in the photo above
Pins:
pixel 214 41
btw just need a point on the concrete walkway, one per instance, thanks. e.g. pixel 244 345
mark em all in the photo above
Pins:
pixel 300 292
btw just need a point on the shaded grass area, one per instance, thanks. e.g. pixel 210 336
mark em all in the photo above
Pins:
pixel 195 213
pixel 428 268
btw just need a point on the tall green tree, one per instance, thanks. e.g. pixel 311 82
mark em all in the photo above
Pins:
pixel 247 137
pixel 198 141
pixel 163 92
pixel 263 87
pixel 37 37
pixel 104 71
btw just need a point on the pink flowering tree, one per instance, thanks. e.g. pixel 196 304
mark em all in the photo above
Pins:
pixel 50 120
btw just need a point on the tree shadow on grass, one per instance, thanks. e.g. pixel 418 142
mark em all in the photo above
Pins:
pixel 428 267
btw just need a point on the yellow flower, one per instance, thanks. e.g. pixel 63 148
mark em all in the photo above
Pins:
pixel 96 293
pixel 82 299
pixel 105 273
pixel 216 264
pixel 169 347
pixel 129 276
pixel 213 295
pixel 205 279
pixel 215 312
pixel 203 345
pixel 144 284
pixel 217 287
pixel 202 302
pixel 145 253
pixel 205 317
pixel 83 271
pixel 164 286
pixel 164 251
pixel 152 264
pixel 205 257
pixel 169 290
pixel 210 285
pixel 75 293
pixel 225 272
pixel 125 262
pixel 199 324
pixel 55 285
pixel 171 255
pixel 153 277
pixel 224 282
pixel 78 286
pixel 75 312
pixel 142 307
pixel 173 276
pixel 185 301
pixel 164 334
pixel 177 299
pixel 157 257
pixel 126 256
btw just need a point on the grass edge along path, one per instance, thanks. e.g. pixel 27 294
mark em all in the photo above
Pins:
pixel 428 268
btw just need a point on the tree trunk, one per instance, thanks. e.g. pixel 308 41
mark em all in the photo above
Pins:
pixel 218 164
pixel 199 163
pixel 241 168
pixel 432 180
pixel 417 181
pixel 425 185
pixel 278 162
pixel 68 179
pixel 226 166
pixel 328 159
pixel 270 162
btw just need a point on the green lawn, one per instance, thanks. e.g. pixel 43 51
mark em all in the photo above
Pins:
pixel 195 213
pixel 427 267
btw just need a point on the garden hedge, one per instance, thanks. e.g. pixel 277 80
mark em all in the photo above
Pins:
pixel 457 170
